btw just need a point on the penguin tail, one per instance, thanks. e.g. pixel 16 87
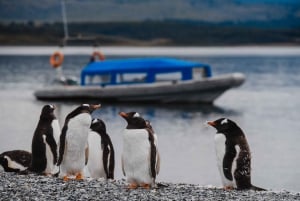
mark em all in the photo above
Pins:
pixel 161 185
pixel 24 172
pixel 255 188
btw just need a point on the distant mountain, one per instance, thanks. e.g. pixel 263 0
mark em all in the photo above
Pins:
pixel 246 12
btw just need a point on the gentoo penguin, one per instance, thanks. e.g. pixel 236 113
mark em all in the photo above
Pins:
pixel 101 163
pixel 140 157
pixel 44 142
pixel 233 155
pixel 15 160
pixel 73 149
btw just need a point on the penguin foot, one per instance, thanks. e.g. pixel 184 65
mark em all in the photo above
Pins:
pixel 66 178
pixel 48 174
pixel 132 186
pixel 79 176
pixel 228 188
pixel 146 186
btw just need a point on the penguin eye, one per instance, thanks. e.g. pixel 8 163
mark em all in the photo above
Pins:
pixel 225 121
pixel 136 115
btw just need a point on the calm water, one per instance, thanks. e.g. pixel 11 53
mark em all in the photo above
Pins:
pixel 266 107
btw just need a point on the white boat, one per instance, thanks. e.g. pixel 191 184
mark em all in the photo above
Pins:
pixel 146 80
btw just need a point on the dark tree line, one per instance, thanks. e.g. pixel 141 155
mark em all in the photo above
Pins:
pixel 147 33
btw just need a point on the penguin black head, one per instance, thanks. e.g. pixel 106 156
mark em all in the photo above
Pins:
pixel 134 120
pixel 48 112
pixel 88 108
pixel 98 126
pixel 5 165
pixel 226 126
pixel 84 108
pixel 3 161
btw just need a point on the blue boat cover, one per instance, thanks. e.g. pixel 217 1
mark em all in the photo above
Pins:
pixel 143 65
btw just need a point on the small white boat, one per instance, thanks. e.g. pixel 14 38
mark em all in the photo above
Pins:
pixel 147 80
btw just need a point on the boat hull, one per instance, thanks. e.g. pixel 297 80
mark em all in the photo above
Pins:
pixel 193 91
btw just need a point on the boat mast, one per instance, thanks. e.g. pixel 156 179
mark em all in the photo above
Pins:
pixel 64 16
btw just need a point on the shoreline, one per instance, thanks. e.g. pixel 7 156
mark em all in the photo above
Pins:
pixel 32 187
pixel 190 51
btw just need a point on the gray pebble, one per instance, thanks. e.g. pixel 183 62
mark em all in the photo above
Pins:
pixel 31 187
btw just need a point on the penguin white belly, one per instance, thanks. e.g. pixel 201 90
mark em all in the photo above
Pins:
pixel 56 134
pixel 220 147
pixel 136 156
pixel 49 158
pixel 95 162
pixel 14 165
pixel 56 130
pixel 76 143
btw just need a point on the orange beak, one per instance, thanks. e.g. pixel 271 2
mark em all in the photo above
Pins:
pixel 211 123
pixel 123 114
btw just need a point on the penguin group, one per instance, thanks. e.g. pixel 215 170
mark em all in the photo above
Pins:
pixel 83 148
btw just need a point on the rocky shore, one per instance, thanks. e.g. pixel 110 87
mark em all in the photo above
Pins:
pixel 32 187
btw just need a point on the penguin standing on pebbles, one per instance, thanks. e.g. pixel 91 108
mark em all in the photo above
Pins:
pixel 73 150
pixel 15 161
pixel 44 145
pixel 101 163
pixel 140 158
pixel 233 155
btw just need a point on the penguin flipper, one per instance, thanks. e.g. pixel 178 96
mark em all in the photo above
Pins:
pixel 53 146
pixel 228 161
pixel 123 170
pixel 157 167
pixel 105 159
pixel 86 154
pixel 153 153
pixel 111 167
pixel 62 144
pixel 108 158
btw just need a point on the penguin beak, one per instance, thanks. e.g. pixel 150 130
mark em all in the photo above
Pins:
pixel 123 114
pixel 211 123
pixel 95 107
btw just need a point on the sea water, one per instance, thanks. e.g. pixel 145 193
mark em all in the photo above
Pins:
pixel 266 107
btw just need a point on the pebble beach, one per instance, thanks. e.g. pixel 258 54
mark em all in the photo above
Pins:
pixel 32 187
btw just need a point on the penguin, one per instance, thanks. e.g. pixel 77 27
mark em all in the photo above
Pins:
pixel 101 163
pixel 15 160
pixel 140 156
pixel 73 149
pixel 233 155
pixel 44 143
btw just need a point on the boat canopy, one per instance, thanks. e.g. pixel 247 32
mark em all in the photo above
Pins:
pixel 149 66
